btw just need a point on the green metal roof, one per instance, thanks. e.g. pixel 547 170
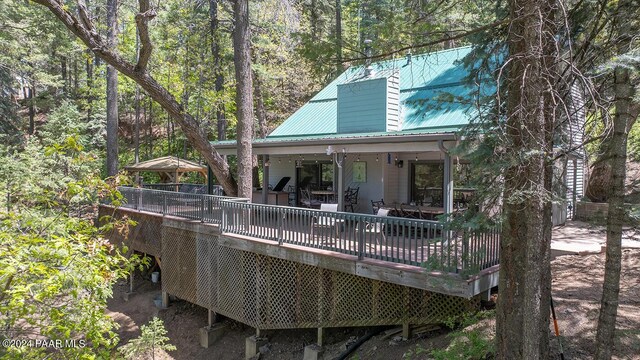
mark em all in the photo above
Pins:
pixel 434 98
pixel 423 81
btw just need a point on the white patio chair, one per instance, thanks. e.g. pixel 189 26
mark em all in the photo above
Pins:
pixel 377 228
pixel 324 222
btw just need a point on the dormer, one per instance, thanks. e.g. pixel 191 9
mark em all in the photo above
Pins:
pixel 369 102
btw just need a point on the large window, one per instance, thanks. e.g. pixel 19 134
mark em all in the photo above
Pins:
pixel 315 175
pixel 427 182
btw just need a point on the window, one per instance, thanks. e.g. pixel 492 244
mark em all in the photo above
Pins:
pixel 315 175
pixel 426 183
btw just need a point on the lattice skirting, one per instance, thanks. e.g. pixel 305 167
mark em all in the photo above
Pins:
pixel 145 236
pixel 272 293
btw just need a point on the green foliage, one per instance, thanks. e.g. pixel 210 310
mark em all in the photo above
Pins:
pixel 153 337
pixel 419 350
pixel 66 121
pixel 56 269
pixel 470 342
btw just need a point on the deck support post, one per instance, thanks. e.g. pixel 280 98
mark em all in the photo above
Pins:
pixel 252 345
pixel 165 299
pixel 210 334
pixel 406 331
pixel 265 179
pixel 320 341
pixel 313 352
pixel 212 318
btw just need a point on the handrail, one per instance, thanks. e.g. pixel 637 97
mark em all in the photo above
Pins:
pixel 417 242
pixel 205 208
pixel 429 244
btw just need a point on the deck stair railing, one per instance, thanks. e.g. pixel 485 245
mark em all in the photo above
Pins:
pixel 425 243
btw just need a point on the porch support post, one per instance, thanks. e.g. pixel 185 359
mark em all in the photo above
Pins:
pixel 448 180
pixel 340 194
pixel 448 184
pixel 265 179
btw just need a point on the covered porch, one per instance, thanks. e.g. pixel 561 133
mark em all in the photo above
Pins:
pixel 411 175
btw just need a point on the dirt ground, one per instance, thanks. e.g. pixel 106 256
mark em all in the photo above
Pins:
pixel 577 285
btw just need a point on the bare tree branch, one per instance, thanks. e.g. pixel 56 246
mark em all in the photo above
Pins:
pixel 84 31
pixel 434 42
pixel 142 19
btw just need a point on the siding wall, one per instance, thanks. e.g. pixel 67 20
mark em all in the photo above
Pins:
pixel 579 185
pixel 373 189
pixel 393 102
pixel 362 106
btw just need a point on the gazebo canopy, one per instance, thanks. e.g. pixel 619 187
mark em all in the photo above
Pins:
pixel 169 166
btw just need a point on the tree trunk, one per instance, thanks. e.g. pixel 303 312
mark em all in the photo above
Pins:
pixel 85 31
pixel 64 75
pixel 339 67
pixel 89 96
pixel 244 95
pixel 626 113
pixel 261 114
pixel 136 136
pixel 522 328
pixel 112 92
pixel 221 122
pixel 32 108
pixel 314 18
pixel 262 121
pixel 617 158
pixel 75 78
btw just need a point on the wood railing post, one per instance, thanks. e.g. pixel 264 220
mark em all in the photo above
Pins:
pixel 164 203
pixel 280 225
pixel 360 240
pixel 201 208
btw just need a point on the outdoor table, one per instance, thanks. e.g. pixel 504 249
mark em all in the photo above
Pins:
pixel 432 210
pixel 327 194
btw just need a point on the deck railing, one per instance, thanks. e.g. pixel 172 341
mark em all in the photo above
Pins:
pixel 430 244
pixel 205 208
pixel 185 188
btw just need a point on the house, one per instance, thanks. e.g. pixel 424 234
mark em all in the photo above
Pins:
pixel 383 129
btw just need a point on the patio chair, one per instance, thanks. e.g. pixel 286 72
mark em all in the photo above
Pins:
pixel 376 205
pixel 326 222
pixel 351 198
pixel 292 195
pixel 307 200
pixel 375 227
